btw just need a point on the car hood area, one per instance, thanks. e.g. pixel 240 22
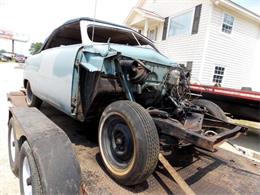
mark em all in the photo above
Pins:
pixel 134 52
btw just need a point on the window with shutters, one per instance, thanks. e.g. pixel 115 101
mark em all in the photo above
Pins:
pixel 185 23
pixel 196 19
pixel 181 24
pixel 218 74
pixel 227 24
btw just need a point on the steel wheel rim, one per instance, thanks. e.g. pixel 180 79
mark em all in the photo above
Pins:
pixel 119 164
pixel 121 144
pixel 29 94
pixel 26 177
pixel 12 144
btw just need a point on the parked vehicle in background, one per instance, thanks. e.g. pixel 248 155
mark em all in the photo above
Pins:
pixel 6 57
pixel 20 58
pixel 3 58
pixel 91 69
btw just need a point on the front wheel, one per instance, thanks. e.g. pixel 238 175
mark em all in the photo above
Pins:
pixel 128 142
pixel 28 173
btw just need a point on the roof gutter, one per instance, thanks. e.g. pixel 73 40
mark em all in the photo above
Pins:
pixel 237 8
pixel 158 18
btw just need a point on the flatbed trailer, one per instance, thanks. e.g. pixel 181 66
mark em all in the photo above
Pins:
pixel 241 104
pixel 221 172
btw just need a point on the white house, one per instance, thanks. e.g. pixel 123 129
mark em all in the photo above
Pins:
pixel 217 39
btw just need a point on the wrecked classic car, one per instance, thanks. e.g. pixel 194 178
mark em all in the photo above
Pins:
pixel 90 69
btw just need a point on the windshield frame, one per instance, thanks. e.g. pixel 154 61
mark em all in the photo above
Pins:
pixel 87 40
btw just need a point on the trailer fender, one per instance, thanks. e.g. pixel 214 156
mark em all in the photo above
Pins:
pixel 52 150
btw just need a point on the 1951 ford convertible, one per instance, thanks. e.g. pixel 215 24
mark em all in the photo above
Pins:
pixel 91 69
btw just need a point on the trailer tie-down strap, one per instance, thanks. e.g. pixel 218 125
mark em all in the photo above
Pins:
pixel 179 180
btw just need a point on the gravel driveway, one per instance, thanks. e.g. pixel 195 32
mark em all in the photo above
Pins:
pixel 11 76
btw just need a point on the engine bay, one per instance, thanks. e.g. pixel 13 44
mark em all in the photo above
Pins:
pixel 158 86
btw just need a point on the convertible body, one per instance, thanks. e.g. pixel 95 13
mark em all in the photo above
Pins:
pixel 90 69
pixel 53 72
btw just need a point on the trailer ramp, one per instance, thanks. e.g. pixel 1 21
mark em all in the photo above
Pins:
pixel 221 172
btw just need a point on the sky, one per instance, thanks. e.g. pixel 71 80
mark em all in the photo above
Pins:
pixel 253 5
pixel 37 18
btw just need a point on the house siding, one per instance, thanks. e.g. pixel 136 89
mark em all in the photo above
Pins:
pixel 255 71
pixel 239 52
pixel 183 48
pixel 235 52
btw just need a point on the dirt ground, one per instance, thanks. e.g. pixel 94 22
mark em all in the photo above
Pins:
pixel 10 79
pixel 201 170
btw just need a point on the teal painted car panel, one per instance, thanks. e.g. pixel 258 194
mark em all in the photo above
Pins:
pixel 54 77
pixel 54 68
pixel 51 72
pixel 134 52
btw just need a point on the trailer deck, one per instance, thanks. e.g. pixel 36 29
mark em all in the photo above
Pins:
pixel 221 172
pixel 240 103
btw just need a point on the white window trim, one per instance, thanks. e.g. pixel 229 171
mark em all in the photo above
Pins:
pixel 213 72
pixel 178 14
pixel 84 24
pixel 222 21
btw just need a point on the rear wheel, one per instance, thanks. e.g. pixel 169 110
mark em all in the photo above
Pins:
pixel 129 142
pixel 211 107
pixel 31 99
pixel 28 172
pixel 13 149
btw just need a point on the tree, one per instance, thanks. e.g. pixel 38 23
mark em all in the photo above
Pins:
pixel 2 51
pixel 35 47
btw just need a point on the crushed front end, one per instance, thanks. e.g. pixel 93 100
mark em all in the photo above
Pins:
pixel 164 92
pixel 160 86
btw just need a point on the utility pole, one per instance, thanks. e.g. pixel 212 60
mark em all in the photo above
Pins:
pixel 13 46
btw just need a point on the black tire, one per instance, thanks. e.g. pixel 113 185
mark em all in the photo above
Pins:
pixel 26 158
pixel 211 107
pixel 31 99
pixel 133 159
pixel 13 148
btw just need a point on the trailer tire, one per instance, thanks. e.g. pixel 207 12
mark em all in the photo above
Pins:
pixel 211 107
pixel 29 177
pixel 128 142
pixel 31 99
pixel 13 148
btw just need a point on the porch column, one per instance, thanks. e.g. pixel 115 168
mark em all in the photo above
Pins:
pixel 146 27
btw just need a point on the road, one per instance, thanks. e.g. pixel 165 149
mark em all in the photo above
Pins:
pixel 10 79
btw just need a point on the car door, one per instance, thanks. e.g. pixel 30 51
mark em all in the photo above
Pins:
pixel 55 76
